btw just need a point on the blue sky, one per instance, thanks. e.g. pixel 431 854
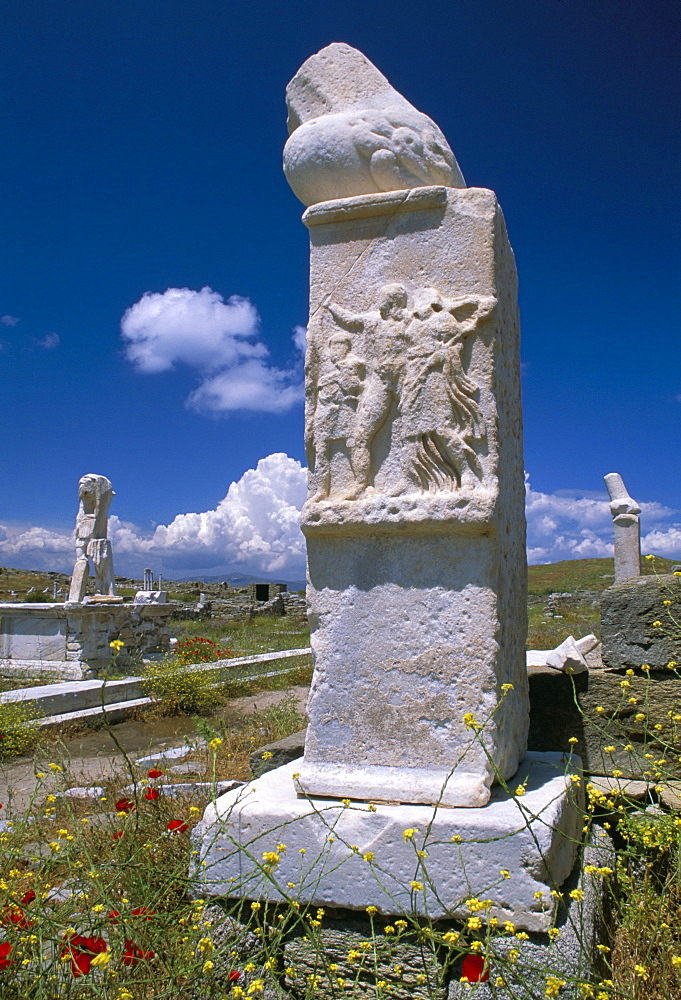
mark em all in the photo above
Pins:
pixel 142 152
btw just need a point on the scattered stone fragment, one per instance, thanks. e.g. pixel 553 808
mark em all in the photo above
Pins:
pixel 637 791
pixel 184 789
pixel 82 792
pixel 172 753
pixel 670 794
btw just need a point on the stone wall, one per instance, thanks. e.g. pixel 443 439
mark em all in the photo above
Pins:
pixel 629 611
pixel 73 641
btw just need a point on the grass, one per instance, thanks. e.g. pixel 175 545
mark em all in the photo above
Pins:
pixel 247 636
pixel 582 574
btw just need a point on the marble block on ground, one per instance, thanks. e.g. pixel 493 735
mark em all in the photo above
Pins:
pixel 356 855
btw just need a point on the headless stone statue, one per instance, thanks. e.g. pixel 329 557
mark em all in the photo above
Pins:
pixel 95 495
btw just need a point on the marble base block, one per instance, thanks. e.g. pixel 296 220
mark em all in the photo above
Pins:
pixel 356 855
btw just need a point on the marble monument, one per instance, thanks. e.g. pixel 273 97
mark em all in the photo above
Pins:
pixel 415 531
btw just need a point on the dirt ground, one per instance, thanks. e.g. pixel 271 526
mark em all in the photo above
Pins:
pixel 94 757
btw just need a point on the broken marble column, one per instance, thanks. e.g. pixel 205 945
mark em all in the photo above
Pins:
pixel 95 494
pixel 415 521
pixel 626 527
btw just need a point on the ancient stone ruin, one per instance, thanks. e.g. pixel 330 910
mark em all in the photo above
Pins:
pixel 73 640
pixel 415 534
pixel 95 494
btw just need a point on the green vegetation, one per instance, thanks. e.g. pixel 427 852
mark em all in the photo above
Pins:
pixel 97 905
pixel 19 732
pixel 248 636
pixel 581 574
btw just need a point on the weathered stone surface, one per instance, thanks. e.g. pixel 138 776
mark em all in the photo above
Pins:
pixel 73 640
pixel 27 636
pixel 626 528
pixel 151 597
pixel 278 753
pixel 351 133
pixel 356 855
pixel 415 518
pixel 670 794
pixel 573 957
pixel 635 791
pixel 595 708
pixel 628 611
pixel 569 656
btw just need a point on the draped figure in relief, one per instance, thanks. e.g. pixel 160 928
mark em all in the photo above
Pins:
pixel 441 416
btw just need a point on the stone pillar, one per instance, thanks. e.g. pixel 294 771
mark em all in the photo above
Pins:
pixel 415 521
pixel 626 527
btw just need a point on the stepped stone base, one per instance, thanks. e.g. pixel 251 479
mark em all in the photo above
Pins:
pixel 356 855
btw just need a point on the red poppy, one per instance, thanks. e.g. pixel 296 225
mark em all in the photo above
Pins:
pixel 143 911
pixel 28 897
pixel 5 949
pixel 151 794
pixel 132 954
pixel 234 976
pixel 154 773
pixel 113 914
pixel 117 834
pixel 81 950
pixel 13 914
pixel 177 826
pixel 473 968
pixel 124 805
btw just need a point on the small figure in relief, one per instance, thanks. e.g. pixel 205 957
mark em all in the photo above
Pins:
pixel 384 335
pixel 95 494
pixel 440 414
pixel 335 416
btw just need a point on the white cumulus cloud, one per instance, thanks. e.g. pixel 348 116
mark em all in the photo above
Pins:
pixel 256 525
pixel 578 525
pixel 218 339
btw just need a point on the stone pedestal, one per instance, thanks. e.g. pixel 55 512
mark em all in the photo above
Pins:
pixel 415 523
pixel 356 855
pixel 72 641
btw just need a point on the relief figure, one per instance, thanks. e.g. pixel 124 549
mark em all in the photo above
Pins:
pixel 339 388
pixel 441 416
pixel 384 331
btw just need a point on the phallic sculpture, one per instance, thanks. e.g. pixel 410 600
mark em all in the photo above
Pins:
pixel 352 133
pixel 626 527
pixel 95 494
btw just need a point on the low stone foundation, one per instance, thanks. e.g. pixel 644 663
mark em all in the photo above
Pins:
pixel 72 641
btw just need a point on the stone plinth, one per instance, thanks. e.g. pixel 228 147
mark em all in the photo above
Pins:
pixel 356 855
pixel 72 641
pixel 415 519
